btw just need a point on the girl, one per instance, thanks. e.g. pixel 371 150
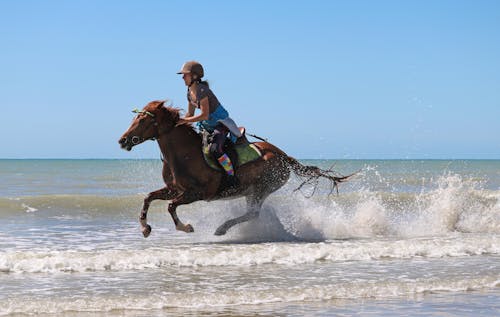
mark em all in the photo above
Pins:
pixel 213 117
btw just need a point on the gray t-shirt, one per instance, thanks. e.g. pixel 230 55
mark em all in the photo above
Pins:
pixel 203 91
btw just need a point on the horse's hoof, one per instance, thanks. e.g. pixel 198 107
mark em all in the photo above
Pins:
pixel 185 228
pixel 146 231
pixel 220 231
pixel 189 229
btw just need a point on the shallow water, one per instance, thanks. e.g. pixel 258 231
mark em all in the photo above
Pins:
pixel 403 237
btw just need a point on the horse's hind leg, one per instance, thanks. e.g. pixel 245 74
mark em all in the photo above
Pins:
pixel 253 208
pixel 165 193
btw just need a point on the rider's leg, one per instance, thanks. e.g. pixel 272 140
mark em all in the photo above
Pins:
pixel 226 164
pixel 216 149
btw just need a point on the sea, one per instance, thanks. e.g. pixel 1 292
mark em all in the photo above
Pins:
pixel 401 238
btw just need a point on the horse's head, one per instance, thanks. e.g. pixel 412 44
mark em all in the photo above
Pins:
pixel 155 119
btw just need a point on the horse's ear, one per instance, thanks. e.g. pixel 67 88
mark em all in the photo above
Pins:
pixel 161 104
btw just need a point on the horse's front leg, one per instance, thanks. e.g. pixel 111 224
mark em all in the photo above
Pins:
pixel 166 193
pixel 184 198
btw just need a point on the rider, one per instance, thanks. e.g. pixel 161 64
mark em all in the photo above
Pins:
pixel 213 117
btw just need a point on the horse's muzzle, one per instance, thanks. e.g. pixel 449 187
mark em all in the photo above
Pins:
pixel 126 143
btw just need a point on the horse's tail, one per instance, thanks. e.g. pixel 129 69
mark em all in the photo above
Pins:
pixel 313 173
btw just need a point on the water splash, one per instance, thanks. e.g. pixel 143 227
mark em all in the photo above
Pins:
pixel 448 204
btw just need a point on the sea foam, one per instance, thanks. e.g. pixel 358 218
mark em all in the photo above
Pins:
pixel 243 255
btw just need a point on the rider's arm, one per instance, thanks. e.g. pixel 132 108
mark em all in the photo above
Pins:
pixel 191 109
pixel 205 112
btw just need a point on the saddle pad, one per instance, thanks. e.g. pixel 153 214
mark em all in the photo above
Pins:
pixel 246 153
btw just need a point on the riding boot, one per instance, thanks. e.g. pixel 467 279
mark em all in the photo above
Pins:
pixel 226 163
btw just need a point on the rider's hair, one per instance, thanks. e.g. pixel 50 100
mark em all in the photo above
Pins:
pixel 204 82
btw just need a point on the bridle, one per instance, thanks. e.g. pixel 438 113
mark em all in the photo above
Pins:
pixel 136 139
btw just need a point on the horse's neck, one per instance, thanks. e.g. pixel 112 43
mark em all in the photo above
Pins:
pixel 181 141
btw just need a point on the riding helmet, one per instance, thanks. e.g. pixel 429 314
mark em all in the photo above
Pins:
pixel 192 67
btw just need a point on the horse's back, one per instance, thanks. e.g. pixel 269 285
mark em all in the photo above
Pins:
pixel 269 150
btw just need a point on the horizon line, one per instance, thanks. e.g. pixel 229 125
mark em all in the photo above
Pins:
pixel 310 159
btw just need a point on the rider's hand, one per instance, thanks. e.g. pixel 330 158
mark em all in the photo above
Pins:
pixel 181 121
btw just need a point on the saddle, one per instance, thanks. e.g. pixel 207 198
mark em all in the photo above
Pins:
pixel 240 152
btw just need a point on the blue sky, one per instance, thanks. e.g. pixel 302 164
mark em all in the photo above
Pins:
pixel 319 79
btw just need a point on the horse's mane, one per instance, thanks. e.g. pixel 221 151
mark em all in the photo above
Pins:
pixel 172 112
pixel 175 114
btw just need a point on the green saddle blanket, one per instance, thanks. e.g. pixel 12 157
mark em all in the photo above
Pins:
pixel 246 153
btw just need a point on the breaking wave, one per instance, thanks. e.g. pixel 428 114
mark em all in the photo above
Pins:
pixel 234 297
pixel 244 255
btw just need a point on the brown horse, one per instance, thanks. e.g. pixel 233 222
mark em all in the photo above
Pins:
pixel 188 177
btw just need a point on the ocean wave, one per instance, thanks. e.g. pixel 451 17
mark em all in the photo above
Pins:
pixel 242 255
pixel 237 297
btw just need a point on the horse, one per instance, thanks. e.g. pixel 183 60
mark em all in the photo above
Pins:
pixel 188 178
